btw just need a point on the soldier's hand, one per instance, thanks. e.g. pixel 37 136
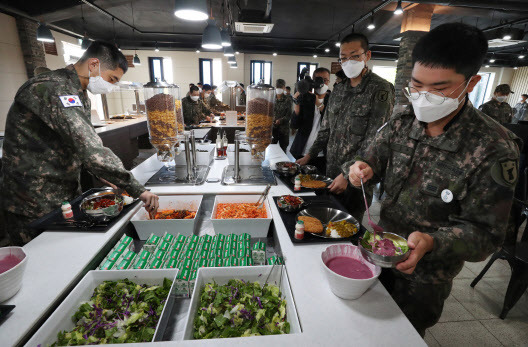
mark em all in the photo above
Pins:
pixel 419 244
pixel 359 170
pixel 277 122
pixel 338 185
pixel 151 202
pixel 304 160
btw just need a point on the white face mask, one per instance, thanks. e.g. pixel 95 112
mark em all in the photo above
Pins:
pixel 353 68
pixel 195 97
pixel 428 112
pixel 207 95
pixel 97 85
pixel 501 98
pixel 279 90
pixel 321 90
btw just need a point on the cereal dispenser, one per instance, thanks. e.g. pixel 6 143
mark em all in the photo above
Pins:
pixel 259 118
pixel 162 101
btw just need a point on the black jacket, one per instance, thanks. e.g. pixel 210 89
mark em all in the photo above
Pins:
pixel 303 122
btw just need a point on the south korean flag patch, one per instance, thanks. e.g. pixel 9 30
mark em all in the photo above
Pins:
pixel 70 101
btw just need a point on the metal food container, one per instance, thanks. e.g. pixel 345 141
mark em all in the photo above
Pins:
pixel 259 119
pixel 103 214
pixel 384 260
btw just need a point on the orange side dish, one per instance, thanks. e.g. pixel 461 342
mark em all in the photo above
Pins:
pixel 240 210
pixel 175 214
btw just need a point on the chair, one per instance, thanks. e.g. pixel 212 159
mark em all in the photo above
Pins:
pixel 515 252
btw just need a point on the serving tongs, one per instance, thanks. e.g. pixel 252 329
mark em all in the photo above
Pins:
pixel 263 197
pixel 376 228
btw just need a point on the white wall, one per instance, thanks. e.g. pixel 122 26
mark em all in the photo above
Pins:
pixel 12 68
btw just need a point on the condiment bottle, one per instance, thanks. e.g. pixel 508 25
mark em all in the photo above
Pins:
pixel 219 147
pixel 299 230
pixel 297 186
pixel 66 210
pixel 224 144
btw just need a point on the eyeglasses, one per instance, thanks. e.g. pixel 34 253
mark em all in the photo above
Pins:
pixel 435 97
pixel 356 57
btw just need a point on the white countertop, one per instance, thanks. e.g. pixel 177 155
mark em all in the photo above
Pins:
pixel 56 258
pixel 118 123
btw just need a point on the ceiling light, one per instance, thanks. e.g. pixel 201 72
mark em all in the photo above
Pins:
pixel 506 37
pixel 315 55
pixel 237 52
pixel 234 66
pixel 136 60
pixel 197 51
pixel 211 38
pixel 44 33
pixel 396 60
pixel 338 44
pixel 226 40
pixel 515 68
pixel 371 25
pixel 399 9
pixel 327 50
pixel 194 10
pixel 521 56
pixel 231 60
pixel 486 66
pixel 228 51
pixel 492 60
pixel 85 43
pixel 274 54
pixel 157 48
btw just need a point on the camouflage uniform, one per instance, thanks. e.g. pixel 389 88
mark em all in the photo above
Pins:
pixel 352 116
pixel 194 111
pixel 502 112
pixel 45 146
pixel 216 105
pixel 457 187
pixel 282 112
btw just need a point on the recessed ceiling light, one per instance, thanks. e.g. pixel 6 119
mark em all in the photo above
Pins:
pixel 327 50
pixel 506 37
pixel 515 68
pixel 492 60
pixel 274 54
pixel 237 52
pixel 396 61
pixel 521 56
pixel 338 44
pixel 193 10
pixel 486 66
pixel 315 55
pixel 197 51
pixel 371 26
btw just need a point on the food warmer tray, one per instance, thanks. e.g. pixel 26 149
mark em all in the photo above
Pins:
pixel 290 218
pixel 56 222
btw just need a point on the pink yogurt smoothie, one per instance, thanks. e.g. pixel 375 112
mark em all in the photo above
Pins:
pixel 349 267
pixel 9 262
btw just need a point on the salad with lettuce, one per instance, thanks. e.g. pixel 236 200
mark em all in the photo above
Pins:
pixel 118 312
pixel 238 309
pixel 384 246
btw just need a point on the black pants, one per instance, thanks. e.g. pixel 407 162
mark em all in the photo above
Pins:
pixel 421 303
pixel 282 137
pixel 14 226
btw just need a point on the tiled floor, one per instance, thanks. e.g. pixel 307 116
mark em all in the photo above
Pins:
pixel 471 315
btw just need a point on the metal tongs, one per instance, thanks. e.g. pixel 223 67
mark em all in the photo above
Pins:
pixel 263 196
pixel 376 228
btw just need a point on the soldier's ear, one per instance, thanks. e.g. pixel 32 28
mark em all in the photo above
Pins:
pixel 473 82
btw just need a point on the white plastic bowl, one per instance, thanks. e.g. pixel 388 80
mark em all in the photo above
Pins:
pixel 256 227
pixel 11 280
pixel 344 287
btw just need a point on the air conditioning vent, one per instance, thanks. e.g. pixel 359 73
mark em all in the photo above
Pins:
pixel 253 28
pixel 497 43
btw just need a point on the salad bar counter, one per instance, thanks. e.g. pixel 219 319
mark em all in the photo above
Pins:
pixel 210 268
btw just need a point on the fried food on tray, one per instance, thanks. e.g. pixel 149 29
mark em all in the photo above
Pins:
pixel 312 224
pixel 313 184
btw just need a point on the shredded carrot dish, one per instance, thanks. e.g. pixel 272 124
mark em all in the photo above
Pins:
pixel 240 210
pixel 175 214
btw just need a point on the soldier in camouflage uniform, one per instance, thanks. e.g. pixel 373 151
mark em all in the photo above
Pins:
pixel 449 173
pixel 194 109
pixel 282 114
pixel 49 136
pixel 212 102
pixel 357 108
pixel 497 108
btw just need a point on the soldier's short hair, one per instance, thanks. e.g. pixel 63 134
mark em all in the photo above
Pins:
pixel 280 83
pixel 108 54
pixel 455 46
pixel 503 89
pixel 353 37
pixel 321 70
pixel 524 95
pixel 288 88
pixel 194 89
pixel 207 87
